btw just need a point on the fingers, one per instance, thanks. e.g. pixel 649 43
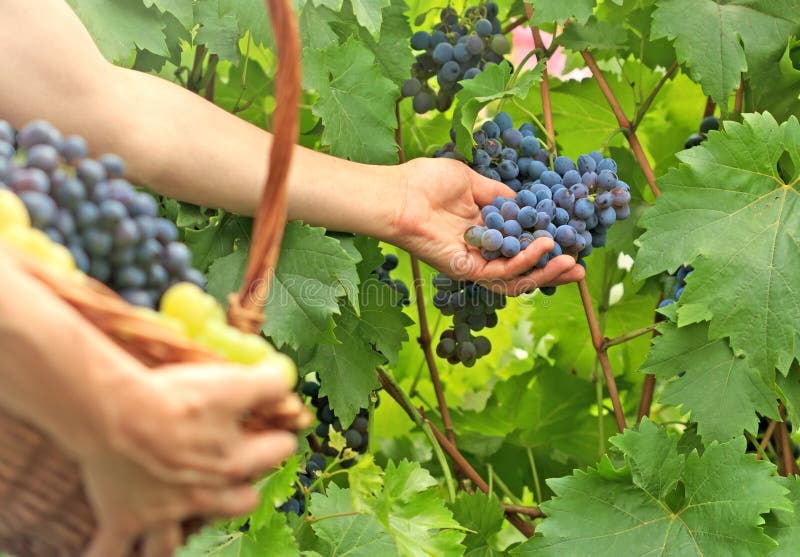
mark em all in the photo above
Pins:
pixel 235 501
pixel 259 452
pixel 484 190
pixel 162 541
pixel 561 270
pixel 108 542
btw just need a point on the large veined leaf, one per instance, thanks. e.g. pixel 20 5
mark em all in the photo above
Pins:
pixel 733 211
pixel 346 368
pixel 483 515
pixel 722 391
pixel 119 27
pixel 719 40
pixel 404 519
pixel 783 525
pixel 313 273
pixel 545 11
pixel 661 503
pixel 356 102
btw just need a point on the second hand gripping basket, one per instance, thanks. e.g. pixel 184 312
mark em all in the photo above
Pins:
pixel 44 511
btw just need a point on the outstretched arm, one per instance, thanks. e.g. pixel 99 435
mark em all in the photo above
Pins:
pixel 184 147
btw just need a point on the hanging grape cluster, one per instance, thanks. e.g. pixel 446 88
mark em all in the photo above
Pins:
pixel 356 434
pixel 112 230
pixel 458 47
pixel 473 308
pixel 383 272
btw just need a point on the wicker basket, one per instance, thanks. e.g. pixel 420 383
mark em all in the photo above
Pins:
pixel 44 511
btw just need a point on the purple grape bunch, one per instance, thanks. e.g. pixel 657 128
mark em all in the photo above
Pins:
pixel 356 434
pixel 473 308
pixel 112 230
pixel 575 203
pixel 458 47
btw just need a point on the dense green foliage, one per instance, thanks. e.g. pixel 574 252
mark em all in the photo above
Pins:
pixel 533 417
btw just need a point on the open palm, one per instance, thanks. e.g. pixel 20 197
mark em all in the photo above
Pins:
pixel 443 198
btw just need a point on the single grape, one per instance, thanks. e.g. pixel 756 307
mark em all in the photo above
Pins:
pixel 512 228
pixel 420 40
pixel 503 121
pixel 411 87
pixel 495 221
pixel 483 27
pixel 510 246
pixel 566 235
pixel 492 240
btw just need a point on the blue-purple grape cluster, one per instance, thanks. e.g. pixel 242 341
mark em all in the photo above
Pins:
pixel 706 125
pixel 315 465
pixel 503 153
pixel 473 309
pixel 112 230
pixel 356 434
pixel 457 48
pixel 574 204
pixel 383 272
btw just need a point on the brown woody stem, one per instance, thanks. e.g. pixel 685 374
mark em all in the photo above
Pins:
pixel 624 122
pixel 602 355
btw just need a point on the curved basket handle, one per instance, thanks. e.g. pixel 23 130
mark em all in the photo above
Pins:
pixel 246 311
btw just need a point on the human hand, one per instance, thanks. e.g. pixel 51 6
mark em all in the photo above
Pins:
pixel 441 200
pixel 176 449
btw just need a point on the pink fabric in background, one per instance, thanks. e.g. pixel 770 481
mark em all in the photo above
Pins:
pixel 522 44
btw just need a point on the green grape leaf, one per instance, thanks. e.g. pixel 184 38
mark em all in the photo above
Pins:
pixel 775 86
pixel 315 27
pixel 492 84
pixel 732 211
pixel 347 369
pixel 784 526
pixel 275 539
pixel 358 535
pixel 120 27
pixel 722 392
pixel 356 103
pixel 714 508
pixel 594 35
pixel 383 322
pixel 406 518
pixel 217 239
pixel 415 516
pixel 392 50
pixel 365 480
pixel 275 490
pixel 370 14
pixel 720 40
pixel 252 16
pixel 546 11
pixel 530 410
pixel 218 31
pixel 311 274
pixel 181 9
pixel 483 515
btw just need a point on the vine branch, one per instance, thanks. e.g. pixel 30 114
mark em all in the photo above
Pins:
pixel 624 122
pixel 547 106
pixel 648 102
pixel 609 342
pixel 602 355
pixel 765 440
pixel 424 338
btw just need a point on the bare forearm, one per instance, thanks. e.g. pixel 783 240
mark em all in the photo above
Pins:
pixel 174 142
pixel 53 364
